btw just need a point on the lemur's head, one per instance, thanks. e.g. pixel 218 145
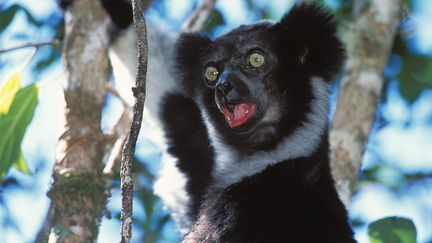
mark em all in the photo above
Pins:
pixel 254 84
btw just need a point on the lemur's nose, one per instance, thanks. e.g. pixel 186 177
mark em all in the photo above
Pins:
pixel 225 88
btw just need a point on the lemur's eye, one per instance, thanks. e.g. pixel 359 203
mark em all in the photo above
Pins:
pixel 211 74
pixel 256 59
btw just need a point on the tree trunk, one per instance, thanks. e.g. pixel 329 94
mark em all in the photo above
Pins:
pixel 79 191
pixel 369 44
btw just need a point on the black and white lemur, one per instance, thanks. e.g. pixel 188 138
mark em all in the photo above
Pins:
pixel 245 118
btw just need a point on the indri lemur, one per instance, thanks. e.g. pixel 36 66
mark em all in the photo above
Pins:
pixel 245 119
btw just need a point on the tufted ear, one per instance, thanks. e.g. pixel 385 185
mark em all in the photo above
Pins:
pixel 306 37
pixel 188 50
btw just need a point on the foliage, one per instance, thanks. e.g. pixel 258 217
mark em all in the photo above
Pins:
pixel 416 71
pixel 392 230
pixel 8 13
pixel 17 106
pixel 155 218
pixel 53 23
pixel 216 19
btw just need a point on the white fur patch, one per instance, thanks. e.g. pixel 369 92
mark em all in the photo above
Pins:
pixel 170 187
pixel 123 56
pixel 171 182
pixel 231 166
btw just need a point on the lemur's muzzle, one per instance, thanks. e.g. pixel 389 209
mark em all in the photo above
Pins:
pixel 232 95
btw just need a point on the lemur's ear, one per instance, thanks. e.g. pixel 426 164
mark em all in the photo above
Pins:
pixel 188 50
pixel 307 35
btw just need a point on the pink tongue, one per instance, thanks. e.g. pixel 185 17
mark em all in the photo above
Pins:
pixel 240 111
pixel 240 114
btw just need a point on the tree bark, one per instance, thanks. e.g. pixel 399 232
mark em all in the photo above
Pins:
pixel 369 44
pixel 79 191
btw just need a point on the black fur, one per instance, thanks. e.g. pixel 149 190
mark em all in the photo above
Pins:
pixel 120 12
pixel 295 199
pixel 311 30
pixel 188 141
pixel 189 48
pixel 306 40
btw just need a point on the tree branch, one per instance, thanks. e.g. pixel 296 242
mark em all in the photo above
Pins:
pixel 119 133
pixel 79 192
pixel 54 43
pixel 369 45
pixel 198 18
pixel 129 147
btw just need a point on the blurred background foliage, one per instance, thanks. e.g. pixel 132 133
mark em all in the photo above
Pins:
pixel 396 176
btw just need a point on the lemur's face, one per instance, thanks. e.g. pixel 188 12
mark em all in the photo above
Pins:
pixel 239 90
pixel 253 84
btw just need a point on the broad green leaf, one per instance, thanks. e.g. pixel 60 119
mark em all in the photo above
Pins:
pixel 21 164
pixel 14 124
pixel 8 91
pixel 6 142
pixel 392 230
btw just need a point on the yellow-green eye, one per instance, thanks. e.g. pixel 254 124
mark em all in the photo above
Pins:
pixel 211 74
pixel 256 59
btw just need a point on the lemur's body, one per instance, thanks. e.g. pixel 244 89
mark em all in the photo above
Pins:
pixel 245 122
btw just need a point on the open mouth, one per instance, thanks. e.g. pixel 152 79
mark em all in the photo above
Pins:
pixel 238 114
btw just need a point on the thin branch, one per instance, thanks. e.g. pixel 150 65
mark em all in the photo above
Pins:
pixel 121 128
pixel 129 147
pixel 369 45
pixel 198 18
pixel 119 132
pixel 54 43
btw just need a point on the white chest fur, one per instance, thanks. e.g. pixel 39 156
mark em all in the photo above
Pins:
pixel 231 166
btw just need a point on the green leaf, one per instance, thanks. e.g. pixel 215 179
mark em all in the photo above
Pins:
pixel 21 164
pixel 392 230
pixel 415 76
pixel 215 19
pixel 32 19
pixel 416 72
pixel 8 91
pixel 7 15
pixel 13 126
pixel 408 3
pixel 51 55
pixel 6 149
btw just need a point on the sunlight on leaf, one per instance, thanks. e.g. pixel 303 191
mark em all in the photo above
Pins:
pixel 13 126
pixel 8 91
pixel 21 164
